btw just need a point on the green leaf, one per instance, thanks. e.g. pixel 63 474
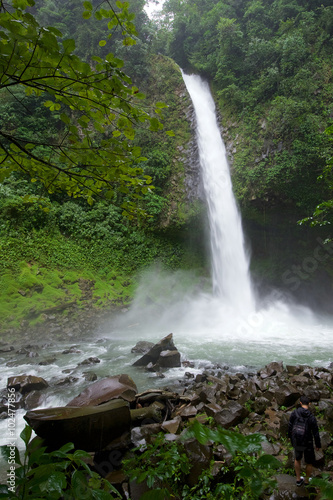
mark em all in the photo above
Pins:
pixel 26 434
pixel 129 133
pixel 81 454
pixel 154 124
pixel 128 41
pixel 55 482
pixel 55 31
pixel 34 456
pixel 79 484
pixel 65 118
pixel 102 43
pixel 68 45
pixel 244 472
pixel 142 476
pixel 268 462
pixel 20 4
pixel 67 447
pixel 102 495
pixel 161 105
pixel 6 454
pixel 200 432
pixel 158 494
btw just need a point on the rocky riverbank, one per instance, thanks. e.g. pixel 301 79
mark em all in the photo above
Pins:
pixel 63 322
pixel 254 402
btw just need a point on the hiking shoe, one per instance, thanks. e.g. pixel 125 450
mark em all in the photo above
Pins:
pixel 300 482
pixel 308 484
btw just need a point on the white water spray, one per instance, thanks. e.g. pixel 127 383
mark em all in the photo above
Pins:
pixel 230 263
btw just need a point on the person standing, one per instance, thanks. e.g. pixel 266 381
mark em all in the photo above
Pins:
pixel 302 430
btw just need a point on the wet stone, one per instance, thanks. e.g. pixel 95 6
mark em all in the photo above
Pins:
pixel 6 348
pixel 90 361
pixel 32 354
pixel 48 361
pixel 67 380
pixel 27 383
pixel 142 347
pixel 90 376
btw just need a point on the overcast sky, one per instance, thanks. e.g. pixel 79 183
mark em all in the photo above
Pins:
pixel 152 7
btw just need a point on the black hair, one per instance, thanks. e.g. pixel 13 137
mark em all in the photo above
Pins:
pixel 304 400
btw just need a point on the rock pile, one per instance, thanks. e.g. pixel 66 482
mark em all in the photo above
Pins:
pixel 253 402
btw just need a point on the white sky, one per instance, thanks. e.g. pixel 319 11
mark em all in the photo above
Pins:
pixel 153 7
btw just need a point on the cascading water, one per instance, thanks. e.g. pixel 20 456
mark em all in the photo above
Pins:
pixel 230 264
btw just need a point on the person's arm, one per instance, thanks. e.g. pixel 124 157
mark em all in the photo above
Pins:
pixel 290 424
pixel 315 432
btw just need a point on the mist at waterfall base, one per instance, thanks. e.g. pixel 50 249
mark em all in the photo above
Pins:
pixel 210 332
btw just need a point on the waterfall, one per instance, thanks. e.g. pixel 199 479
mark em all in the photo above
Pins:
pixel 230 262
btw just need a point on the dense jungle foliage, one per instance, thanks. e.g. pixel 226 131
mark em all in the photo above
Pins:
pixel 49 238
pixel 270 67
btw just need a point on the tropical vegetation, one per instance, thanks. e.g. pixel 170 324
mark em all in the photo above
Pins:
pixel 95 135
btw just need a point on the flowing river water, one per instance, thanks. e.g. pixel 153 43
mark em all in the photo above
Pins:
pixel 227 326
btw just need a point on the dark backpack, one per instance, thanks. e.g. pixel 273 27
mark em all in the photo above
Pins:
pixel 300 433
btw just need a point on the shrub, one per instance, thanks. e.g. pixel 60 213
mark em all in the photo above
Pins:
pixel 61 474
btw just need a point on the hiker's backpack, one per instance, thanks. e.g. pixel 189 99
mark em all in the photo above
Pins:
pixel 300 433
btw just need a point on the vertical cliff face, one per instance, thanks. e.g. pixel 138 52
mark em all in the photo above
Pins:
pixel 177 161
pixel 193 180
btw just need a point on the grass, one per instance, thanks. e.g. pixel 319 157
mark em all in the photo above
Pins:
pixel 29 290
pixel 35 291
pixel 43 270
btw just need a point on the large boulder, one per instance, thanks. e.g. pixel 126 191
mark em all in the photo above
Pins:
pixel 118 386
pixel 26 383
pixel 232 414
pixel 90 428
pixel 286 489
pixel 4 347
pixel 274 368
pixel 329 418
pixel 260 404
pixel 141 436
pixel 286 395
pixel 283 424
pixel 200 456
pixel 142 347
pixel 34 399
pixel 312 392
pixel 153 355
pixel 169 359
pixel 172 426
